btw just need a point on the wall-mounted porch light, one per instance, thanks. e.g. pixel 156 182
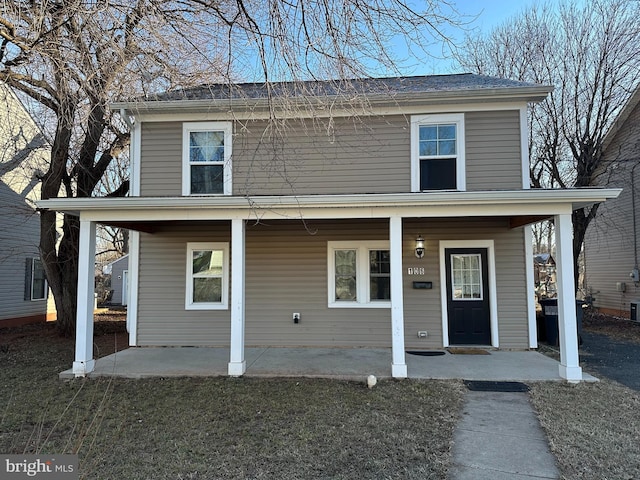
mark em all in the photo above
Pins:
pixel 419 246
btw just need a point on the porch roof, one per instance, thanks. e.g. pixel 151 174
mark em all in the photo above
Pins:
pixel 522 206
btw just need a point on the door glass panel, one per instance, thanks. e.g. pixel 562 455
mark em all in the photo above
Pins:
pixel 466 277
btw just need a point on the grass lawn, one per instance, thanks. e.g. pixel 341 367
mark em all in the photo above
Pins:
pixel 593 428
pixel 197 428
pixel 210 428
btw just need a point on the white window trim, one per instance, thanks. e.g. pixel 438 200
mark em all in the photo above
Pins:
pixel 416 122
pixel 224 303
pixel 362 248
pixel 189 127
pixel 46 284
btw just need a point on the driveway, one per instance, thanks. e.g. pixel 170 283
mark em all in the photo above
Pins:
pixel 614 359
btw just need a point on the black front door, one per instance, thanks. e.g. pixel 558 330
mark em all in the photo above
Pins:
pixel 468 296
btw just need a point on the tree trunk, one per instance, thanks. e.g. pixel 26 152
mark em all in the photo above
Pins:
pixel 581 219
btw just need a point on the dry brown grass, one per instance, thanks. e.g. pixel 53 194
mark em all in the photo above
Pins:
pixel 219 428
pixel 593 428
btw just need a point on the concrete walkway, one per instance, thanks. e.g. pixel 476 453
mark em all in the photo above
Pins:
pixel 499 438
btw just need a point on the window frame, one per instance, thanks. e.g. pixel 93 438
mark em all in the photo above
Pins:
pixel 224 301
pixel 190 127
pixel 45 290
pixel 434 119
pixel 363 287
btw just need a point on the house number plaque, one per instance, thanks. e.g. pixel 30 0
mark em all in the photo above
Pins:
pixel 415 271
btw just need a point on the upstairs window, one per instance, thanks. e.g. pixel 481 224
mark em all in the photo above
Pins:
pixel 206 163
pixel 437 152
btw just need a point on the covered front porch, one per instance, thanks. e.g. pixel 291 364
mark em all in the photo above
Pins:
pixel 516 209
pixel 338 363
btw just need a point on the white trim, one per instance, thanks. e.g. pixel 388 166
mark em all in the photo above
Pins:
pixel 493 296
pixel 440 102
pixel 237 363
pixel 398 363
pixel 524 147
pixel 227 129
pixel 84 362
pixel 530 282
pixel 431 204
pixel 567 328
pixel 134 160
pixel 362 248
pixel 223 304
pixel 430 119
pixel 125 288
pixel 134 275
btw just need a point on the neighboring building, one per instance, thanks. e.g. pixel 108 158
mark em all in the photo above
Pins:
pixel 23 287
pixel 118 271
pixel 611 244
pixel 372 213
pixel 544 275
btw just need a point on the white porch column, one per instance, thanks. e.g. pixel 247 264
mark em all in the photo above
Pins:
pixel 132 304
pixel 531 286
pixel 567 328
pixel 237 363
pixel 398 365
pixel 84 362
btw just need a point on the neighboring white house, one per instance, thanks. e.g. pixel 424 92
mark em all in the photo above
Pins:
pixel 24 154
pixel 119 272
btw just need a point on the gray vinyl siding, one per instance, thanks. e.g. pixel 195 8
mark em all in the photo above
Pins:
pixel 117 278
pixel 162 318
pixel 161 159
pixel 286 272
pixel 362 155
pixel 609 243
pixel 493 155
pixel 19 235
pixel 341 155
pixel 423 309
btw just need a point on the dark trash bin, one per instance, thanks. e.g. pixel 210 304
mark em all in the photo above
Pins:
pixel 550 311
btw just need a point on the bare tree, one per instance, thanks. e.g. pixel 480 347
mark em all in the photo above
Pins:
pixel 589 53
pixel 70 58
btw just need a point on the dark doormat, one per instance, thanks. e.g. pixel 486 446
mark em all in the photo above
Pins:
pixel 467 351
pixel 426 353
pixel 492 386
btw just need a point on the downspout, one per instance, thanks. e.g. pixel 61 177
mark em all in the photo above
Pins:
pixel 635 276
pixel 125 117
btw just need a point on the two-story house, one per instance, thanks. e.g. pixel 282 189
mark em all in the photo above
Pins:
pixel 612 268
pixel 23 287
pixel 381 212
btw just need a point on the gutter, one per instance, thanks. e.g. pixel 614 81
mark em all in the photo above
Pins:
pixel 577 197
pixel 527 94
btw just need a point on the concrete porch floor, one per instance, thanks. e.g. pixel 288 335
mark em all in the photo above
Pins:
pixel 339 363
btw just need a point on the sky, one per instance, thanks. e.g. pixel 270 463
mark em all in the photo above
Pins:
pixel 488 13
